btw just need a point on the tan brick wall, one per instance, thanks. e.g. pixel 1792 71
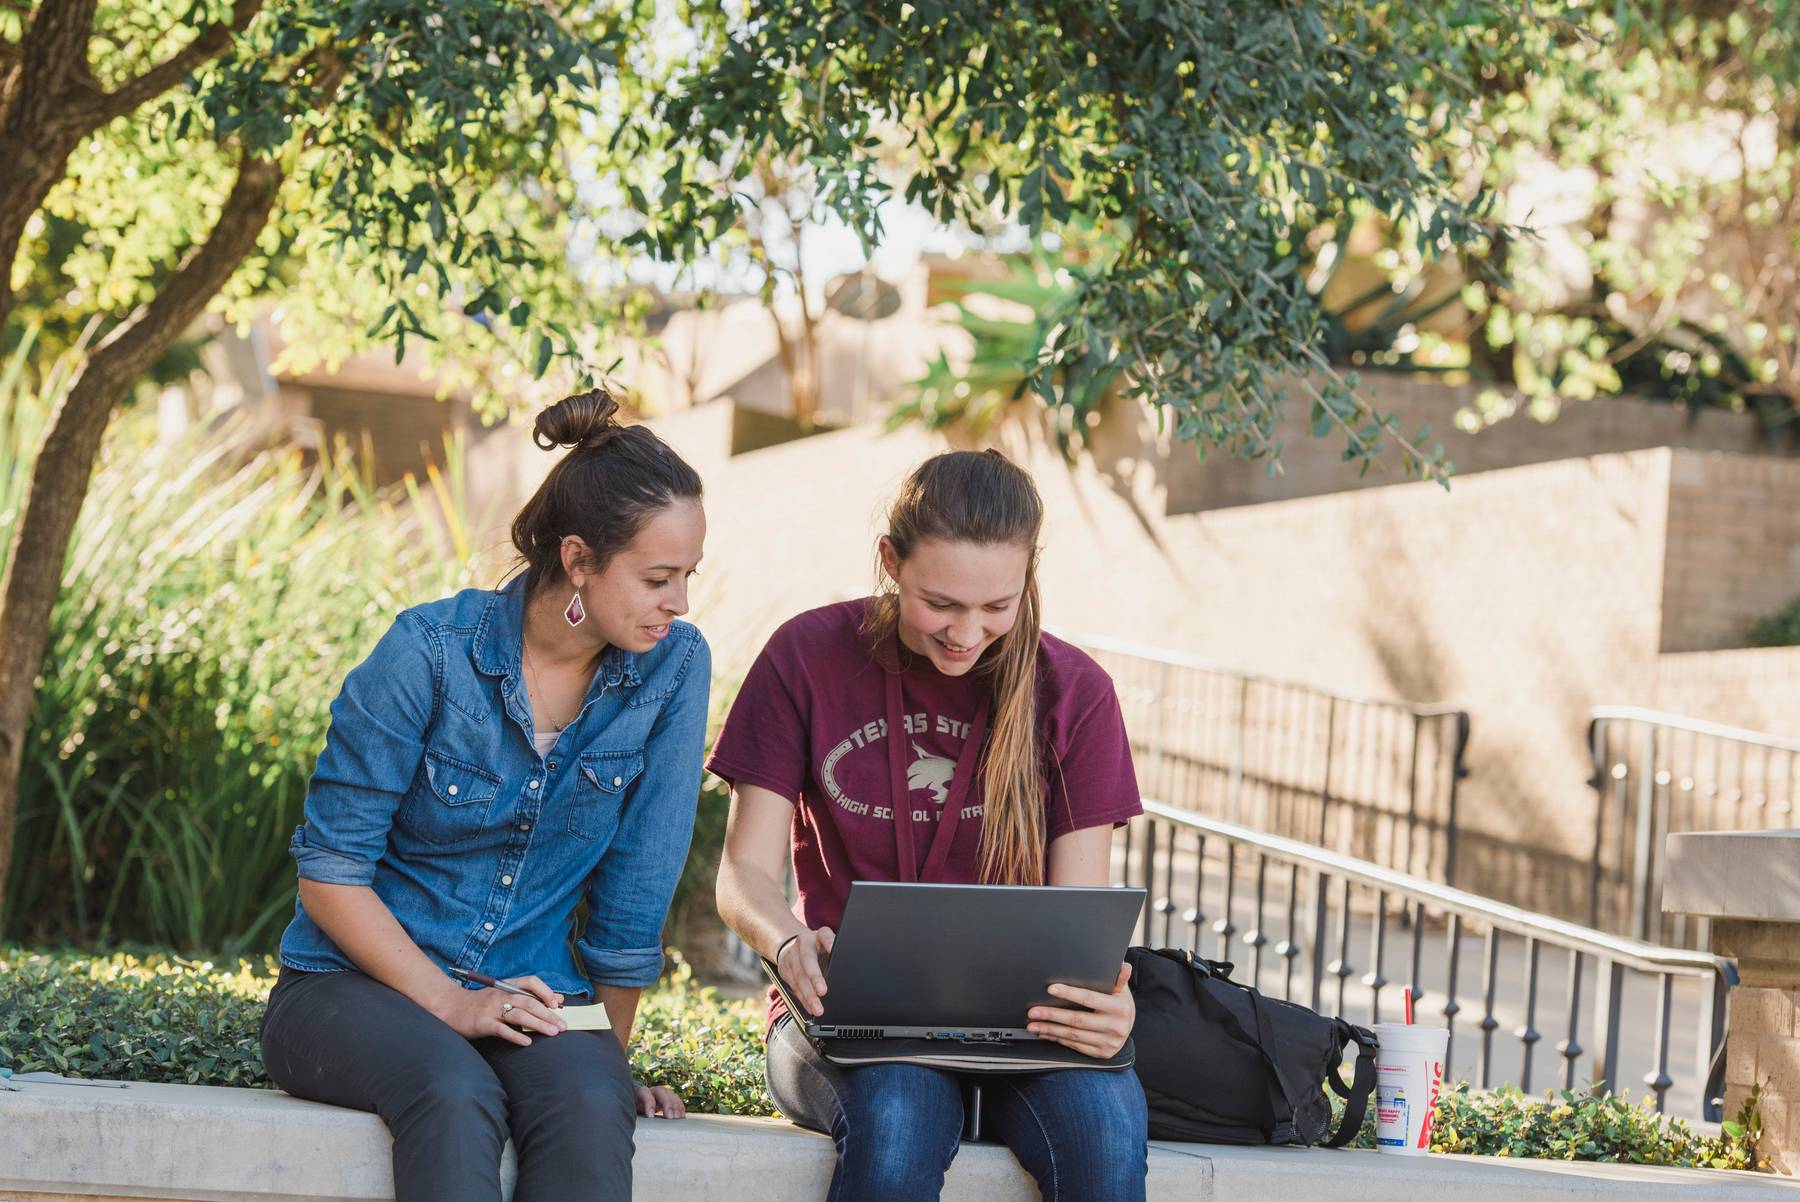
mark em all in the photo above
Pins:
pixel 1734 547
pixel 1757 688
pixel 1311 466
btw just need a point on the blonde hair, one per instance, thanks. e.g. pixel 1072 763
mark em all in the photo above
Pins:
pixel 982 497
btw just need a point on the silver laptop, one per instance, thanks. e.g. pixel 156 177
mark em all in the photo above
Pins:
pixel 965 962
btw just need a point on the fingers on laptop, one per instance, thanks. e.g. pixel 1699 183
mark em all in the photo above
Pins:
pixel 804 972
pixel 1099 1030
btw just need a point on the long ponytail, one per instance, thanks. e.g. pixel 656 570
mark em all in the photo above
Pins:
pixel 982 497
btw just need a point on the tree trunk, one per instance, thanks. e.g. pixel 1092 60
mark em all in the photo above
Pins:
pixel 65 464
pixel 40 122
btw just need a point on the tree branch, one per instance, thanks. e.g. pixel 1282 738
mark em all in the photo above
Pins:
pixel 178 66
pixel 49 63
pixel 136 344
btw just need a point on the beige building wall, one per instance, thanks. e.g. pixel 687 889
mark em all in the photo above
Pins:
pixel 1734 548
pixel 1311 466
pixel 1757 688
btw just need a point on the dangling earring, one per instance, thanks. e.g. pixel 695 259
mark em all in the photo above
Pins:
pixel 576 613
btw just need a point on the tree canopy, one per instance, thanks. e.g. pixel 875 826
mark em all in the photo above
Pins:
pixel 464 174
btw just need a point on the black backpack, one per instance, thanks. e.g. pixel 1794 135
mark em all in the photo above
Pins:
pixel 1222 1064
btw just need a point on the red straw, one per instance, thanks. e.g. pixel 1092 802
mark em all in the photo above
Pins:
pixel 1409 993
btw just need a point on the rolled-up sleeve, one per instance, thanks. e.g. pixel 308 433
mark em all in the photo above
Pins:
pixel 629 892
pixel 372 751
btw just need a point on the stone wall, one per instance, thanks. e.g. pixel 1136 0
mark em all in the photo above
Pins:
pixel 1755 687
pixel 1734 547
pixel 1311 466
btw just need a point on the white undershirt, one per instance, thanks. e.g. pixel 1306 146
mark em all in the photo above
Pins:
pixel 544 740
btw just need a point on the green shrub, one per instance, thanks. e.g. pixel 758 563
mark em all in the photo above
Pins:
pixel 215 594
pixel 1578 1125
pixel 1781 629
pixel 157 1017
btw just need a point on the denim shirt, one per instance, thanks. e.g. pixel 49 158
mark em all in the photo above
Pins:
pixel 430 791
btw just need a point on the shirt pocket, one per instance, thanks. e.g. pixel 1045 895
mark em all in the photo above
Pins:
pixel 600 793
pixel 453 807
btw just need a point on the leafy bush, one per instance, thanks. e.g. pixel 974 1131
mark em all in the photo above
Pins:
pixel 1578 1125
pixel 157 1017
pixel 1780 629
pixel 216 593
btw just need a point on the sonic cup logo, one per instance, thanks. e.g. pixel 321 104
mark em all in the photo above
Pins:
pixel 1431 1101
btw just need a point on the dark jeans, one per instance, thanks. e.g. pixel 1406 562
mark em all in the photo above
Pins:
pixel 567 1100
pixel 1081 1132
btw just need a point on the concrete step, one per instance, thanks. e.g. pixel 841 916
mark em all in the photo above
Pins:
pixel 207 1144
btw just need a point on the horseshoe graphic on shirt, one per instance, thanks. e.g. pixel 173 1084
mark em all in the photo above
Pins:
pixel 931 772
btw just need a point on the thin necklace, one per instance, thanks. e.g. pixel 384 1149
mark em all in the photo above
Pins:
pixel 531 670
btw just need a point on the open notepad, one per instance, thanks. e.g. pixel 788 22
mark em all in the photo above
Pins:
pixel 585 1018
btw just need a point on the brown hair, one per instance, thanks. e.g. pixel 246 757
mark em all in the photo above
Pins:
pixel 983 497
pixel 614 479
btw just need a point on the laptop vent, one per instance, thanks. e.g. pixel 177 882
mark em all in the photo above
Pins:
pixel 858 1033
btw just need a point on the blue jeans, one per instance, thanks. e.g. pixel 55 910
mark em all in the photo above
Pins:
pixel 1081 1133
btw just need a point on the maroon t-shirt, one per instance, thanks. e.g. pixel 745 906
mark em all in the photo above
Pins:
pixel 810 723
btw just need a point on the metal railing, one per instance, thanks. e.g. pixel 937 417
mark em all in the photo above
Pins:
pixel 1302 916
pixel 1369 777
pixel 1656 774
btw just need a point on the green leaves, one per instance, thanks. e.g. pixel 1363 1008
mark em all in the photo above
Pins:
pixel 151 1016
pixel 1584 1125
pixel 1193 138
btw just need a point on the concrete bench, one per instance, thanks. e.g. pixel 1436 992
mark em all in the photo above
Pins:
pixel 202 1144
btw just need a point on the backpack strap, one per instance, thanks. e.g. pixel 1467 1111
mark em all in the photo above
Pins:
pixel 1281 1105
pixel 1362 1083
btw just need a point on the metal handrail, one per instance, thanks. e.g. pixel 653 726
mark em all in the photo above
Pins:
pixel 1656 773
pixel 1699 726
pixel 1631 953
pixel 1178 659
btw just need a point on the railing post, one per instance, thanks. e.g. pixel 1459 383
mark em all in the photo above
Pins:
pixel 1709 1052
pixel 1646 825
pixel 1609 1001
pixel 1602 776
pixel 1458 770
pixel 1317 951
pixel 1331 712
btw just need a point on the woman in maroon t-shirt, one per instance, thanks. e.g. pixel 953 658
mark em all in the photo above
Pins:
pixel 1016 770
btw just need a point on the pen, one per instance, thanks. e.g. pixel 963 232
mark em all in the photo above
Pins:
pixel 481 978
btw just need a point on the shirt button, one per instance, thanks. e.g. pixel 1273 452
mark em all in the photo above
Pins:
pixel 534 784
pixel 487 926
pixel 506 880
pixel 451 790
pixel 524 826
pixel 552 765
pixel 617 781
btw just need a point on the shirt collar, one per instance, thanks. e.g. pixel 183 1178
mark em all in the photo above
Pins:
pixel 500 635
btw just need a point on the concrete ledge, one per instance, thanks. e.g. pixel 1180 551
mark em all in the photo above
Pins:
pixel 201 1144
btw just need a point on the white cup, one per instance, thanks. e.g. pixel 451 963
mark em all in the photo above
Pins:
pixel 1409 1073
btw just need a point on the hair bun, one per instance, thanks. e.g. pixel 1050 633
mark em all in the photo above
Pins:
pixel 584 420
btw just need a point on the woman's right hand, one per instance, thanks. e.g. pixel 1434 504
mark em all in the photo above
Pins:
pixel 801 963
pixel 484 1013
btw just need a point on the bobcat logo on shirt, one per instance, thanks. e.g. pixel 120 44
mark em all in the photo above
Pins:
pixel 931 772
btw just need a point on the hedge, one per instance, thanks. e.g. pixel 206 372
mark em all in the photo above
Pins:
pixel 157 1017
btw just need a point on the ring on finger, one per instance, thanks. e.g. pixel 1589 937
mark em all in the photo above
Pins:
pixel 506 1008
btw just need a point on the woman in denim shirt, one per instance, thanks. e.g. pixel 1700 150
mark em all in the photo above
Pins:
pixel 501 759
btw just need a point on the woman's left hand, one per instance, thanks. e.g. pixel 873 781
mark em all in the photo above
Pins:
pixel 653 1100
pixel 1100 1030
